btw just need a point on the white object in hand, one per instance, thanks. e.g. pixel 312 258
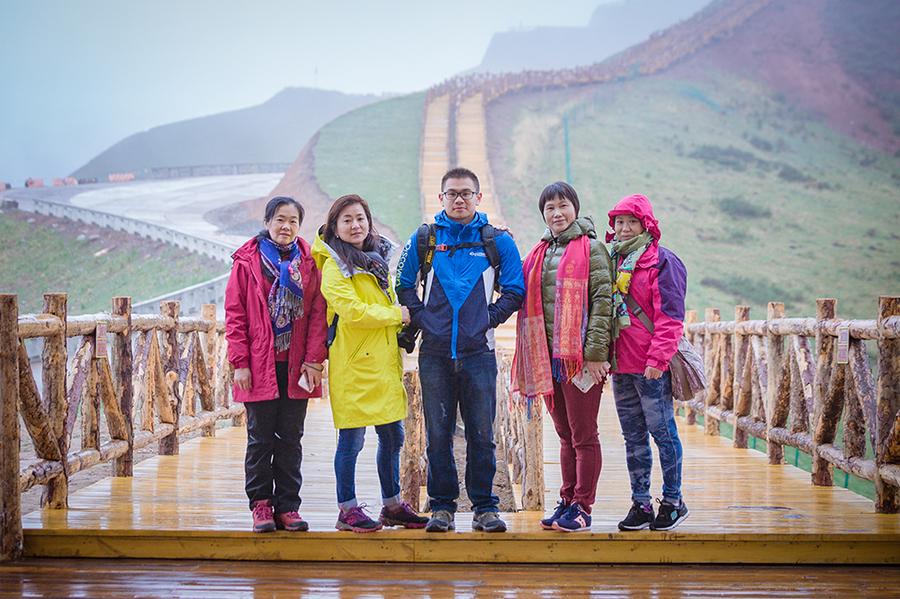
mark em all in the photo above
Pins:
pixel 304 382
pixel 584 381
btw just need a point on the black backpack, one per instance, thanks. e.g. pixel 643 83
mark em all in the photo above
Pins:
pixel 426 244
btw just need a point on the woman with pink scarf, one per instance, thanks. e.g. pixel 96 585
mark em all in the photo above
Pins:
pixel 562 345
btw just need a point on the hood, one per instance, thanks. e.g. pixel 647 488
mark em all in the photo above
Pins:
pixel 639 206
pixel 250 249
pixel 321 252
pixel 442 220
pixel 583 225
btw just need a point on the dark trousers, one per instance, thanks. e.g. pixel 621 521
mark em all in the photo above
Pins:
pixel 574 417
pixel 470 384
pixel 274 453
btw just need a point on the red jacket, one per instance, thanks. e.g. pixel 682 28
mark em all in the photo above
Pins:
pixel 658 286
pixel 248 327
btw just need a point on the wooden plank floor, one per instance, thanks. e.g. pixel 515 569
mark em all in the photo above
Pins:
pixel 193 506
pixel 132 578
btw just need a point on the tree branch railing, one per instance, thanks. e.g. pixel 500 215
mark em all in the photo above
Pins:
pixel 791 381
pixel 162 377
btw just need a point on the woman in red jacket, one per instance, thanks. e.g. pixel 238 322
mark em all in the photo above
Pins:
pixel 275 327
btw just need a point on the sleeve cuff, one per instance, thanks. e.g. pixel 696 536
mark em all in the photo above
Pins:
pixel 663 366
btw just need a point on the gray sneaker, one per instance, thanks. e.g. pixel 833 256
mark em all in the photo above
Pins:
pixel 488 522
pixel 441 521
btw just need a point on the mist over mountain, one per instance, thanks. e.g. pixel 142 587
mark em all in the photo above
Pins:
pixel 613 27
pixel 274 131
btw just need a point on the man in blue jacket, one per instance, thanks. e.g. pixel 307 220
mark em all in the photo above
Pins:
pixel 457 365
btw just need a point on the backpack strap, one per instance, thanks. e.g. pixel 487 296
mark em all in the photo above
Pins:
pixel 426 243
pixel 639 312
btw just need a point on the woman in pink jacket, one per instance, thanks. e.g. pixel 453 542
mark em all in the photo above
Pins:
pixel 275 327
pixel 648 311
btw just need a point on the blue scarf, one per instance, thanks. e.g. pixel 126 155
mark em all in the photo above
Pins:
pixel 286 296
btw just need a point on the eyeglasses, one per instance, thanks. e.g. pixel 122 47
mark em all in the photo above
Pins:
pixel 466 194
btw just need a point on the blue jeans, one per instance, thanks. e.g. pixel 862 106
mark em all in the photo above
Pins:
pixel 350 443
pixel 471 384
pixel 645 408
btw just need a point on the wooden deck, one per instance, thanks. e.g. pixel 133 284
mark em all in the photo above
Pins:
pixel 193 506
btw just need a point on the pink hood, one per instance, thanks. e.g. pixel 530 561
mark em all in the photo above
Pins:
pixel 639 206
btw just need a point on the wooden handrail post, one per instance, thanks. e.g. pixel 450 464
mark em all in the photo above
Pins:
pixel 208 312
pixel 168 445
pixel 54 358
pixel 10 498
pixel 887 415
pixel 741 387
pixel 712 365
pixel 775 358
pixel 689 413
pixel 412 473
pixel 122 366
pixel 826 309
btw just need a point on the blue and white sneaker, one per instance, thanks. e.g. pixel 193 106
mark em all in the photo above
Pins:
pixel 561 508
pixel 574 520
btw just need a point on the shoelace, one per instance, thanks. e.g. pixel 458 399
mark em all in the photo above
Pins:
pixel 263 511
pixel 357 514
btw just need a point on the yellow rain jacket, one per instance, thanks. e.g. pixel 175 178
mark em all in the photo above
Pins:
pixel 365 371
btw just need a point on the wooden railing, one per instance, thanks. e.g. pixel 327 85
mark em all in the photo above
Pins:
pixel 162 377
pixel 791 381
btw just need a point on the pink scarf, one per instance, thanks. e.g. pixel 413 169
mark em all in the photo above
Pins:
pixel 534 367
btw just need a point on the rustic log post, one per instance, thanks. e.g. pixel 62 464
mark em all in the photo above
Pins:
pixel 411 456
pixel 533 476
pixel 10 497
pixel 123 362
pixel 712 364
pixel 168 445
pixel 887 500
pixel 826 309
pixel 689 413
pixel 53 357
pixel 775 357
pixel 740 384
pixel 208 312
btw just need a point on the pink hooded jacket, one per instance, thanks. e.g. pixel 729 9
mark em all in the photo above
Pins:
pixel 248 327
pixel 658 286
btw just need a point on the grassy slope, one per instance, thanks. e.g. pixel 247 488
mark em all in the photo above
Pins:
pixel 834 234
pixel 47 256
pixel 374 152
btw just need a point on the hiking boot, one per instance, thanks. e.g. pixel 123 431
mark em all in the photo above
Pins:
pixel 639 517
pixel 357 520
pixel 291 522
pixel 561 507
pixel 441 521
pixel 402 514
pixel 263 516
pixel 488 522
pixel 575 519
pixel 669 516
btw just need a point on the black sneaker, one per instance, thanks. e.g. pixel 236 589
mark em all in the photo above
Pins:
pixel 561 507
pixel 669 516
pixel 639 517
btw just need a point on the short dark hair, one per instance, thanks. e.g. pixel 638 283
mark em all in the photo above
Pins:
pixel 279 201
pixel 460 173
pixel 560 189
pixel 349 254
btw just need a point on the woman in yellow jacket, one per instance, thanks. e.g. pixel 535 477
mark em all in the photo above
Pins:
pixel 364 367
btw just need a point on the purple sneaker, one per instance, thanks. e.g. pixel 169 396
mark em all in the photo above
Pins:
pixel 402 514
pixel 357 520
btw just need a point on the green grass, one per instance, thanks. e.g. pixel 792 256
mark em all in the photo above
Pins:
pixel 47 256
pixel 374 152
pixel 801 459
pixel 761 201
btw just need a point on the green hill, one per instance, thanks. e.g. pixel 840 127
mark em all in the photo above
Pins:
pixel 90 263
pixel 373 151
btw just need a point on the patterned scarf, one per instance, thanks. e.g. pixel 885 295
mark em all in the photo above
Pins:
pixel 534 367
pixel 631 251
pixel 285 299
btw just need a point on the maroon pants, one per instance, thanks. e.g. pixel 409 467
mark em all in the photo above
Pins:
pixel 574 416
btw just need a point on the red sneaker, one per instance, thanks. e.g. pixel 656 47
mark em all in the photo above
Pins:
pixel 263 516
pixel 291 522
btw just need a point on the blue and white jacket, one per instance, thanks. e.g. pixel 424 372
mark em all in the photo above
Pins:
pixel 456 315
